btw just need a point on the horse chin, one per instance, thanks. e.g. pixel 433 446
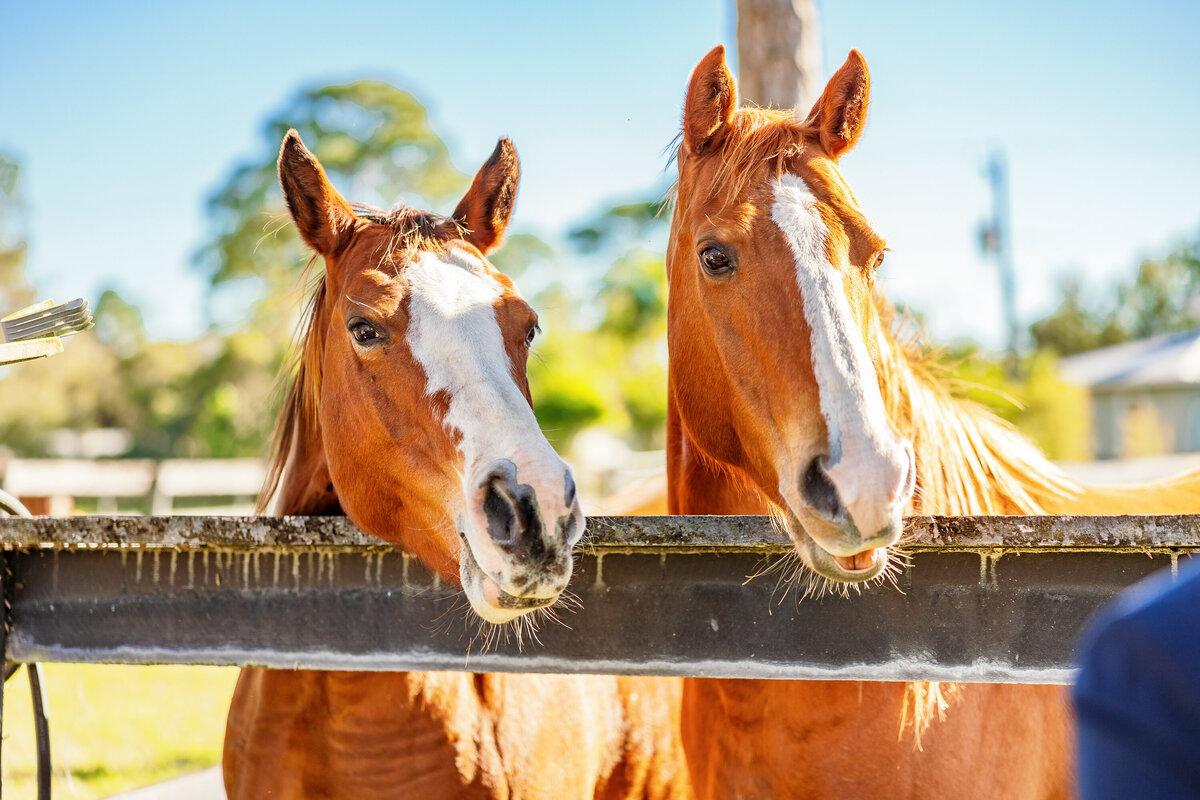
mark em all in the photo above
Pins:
pixel 864 565
pixel 488 600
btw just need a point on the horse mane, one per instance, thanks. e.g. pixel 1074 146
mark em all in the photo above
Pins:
pixel 969 460
pixel 410 230
pixel 758 135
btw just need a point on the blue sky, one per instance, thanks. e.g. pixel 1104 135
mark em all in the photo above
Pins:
pixel 126 115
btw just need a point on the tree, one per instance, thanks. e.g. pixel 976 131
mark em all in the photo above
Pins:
pixel 1163 297
pixel 375 142
pixel 779 53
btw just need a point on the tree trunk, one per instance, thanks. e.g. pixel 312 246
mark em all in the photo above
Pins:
pixel 779 53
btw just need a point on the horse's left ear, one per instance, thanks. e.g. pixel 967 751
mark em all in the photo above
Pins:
pixel 488 205
pixel 840 115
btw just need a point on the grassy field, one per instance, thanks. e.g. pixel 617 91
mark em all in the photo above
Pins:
pixel 114 728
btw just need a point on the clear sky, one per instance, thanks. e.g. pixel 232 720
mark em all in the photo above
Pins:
pixel 126 115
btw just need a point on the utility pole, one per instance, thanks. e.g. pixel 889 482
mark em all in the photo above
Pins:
pixel 779 53
pixel 995 240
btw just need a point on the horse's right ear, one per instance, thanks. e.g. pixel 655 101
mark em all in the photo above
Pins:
pixel 711 101
pixel 323 218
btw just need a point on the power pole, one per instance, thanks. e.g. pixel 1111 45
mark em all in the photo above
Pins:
pixel 996 241
pixel 779 53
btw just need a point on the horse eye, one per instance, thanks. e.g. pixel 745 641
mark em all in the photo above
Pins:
pixel 714 261
pixel 878 260
pixel 531 335
pixel 363 332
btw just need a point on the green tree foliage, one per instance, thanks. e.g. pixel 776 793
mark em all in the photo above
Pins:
pixel 603 360
pixel 1163 297
pixel 375 143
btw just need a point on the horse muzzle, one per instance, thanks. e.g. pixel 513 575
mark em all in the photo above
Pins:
pixel 851 514
pixel 512 562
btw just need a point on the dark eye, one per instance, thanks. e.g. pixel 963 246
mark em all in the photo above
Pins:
pixel 363 332
pixel 715 262
pixel 531 335
pixel 878 260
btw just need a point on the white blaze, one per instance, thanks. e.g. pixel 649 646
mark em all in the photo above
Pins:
pixel 454 335
pixel 867 461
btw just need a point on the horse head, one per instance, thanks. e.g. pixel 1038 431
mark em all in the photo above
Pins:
pixel 413 377
pixel 775 337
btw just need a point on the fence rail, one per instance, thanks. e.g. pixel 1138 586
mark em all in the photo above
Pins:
pixel 980 598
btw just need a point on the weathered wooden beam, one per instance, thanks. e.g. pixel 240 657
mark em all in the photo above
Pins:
pixel 726 534
pixel 979 599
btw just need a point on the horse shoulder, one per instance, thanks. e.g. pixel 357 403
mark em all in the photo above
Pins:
pixel 355 734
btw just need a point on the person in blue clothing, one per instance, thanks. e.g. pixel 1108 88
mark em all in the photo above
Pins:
pixel 1137 696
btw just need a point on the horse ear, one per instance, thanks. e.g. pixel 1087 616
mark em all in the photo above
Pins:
pixel 711 101
pixel 840 115
pixel 323 218
pixel 487 207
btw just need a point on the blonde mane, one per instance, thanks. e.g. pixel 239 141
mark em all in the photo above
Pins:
pixel 969 461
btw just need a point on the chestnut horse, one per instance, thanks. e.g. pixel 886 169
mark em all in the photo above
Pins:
pixel 788 394
pixel 410 414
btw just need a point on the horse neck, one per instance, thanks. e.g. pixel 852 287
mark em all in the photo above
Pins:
pixel 696 484
pixel 306 488
pixel 969 461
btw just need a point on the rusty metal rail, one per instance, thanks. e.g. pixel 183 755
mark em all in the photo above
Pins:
pixel 980 599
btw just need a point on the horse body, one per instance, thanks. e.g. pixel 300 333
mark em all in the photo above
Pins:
pixel 449 735
pixel 788 395
pixel 410 413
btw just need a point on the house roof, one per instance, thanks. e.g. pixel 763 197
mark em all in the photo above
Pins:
pixel 1171 358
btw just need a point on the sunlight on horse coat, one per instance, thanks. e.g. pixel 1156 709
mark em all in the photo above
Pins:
pixel 409 412
pixel 789 395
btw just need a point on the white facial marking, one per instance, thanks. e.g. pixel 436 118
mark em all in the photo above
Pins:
pixel 861 441
pixel 454 335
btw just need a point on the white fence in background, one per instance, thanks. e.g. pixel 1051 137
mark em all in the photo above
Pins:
pixel 160 486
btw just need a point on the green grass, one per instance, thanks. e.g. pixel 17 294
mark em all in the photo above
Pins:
pixel 114 728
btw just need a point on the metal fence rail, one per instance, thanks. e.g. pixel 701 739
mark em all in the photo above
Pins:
pixel 981 598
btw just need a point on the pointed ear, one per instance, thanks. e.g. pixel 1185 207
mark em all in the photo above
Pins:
pixel 323 218
pixel 840 115
pixel 488 205
pixel 711 101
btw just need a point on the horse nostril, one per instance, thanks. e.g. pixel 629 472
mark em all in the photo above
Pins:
pixel 569 494
pixel 819 492
pixel 510 507
pixel 500 513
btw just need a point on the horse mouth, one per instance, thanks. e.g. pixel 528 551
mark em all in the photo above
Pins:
pixel 489 600
pixel 865 565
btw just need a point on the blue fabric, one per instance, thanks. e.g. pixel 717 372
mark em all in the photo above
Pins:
pixel 1138 692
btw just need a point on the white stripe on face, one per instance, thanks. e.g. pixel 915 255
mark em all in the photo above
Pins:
pixel 455 337
pixel 865 456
